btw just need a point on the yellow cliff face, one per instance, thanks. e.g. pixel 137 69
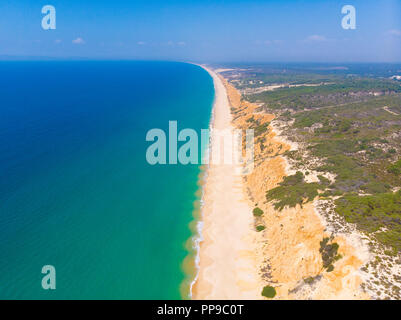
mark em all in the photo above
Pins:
pixel 289 246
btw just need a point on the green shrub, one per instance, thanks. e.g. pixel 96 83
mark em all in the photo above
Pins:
pixel 260 228
pixel 269 292
pixel 257 212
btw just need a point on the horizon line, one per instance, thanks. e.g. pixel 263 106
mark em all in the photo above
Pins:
pixel 4 58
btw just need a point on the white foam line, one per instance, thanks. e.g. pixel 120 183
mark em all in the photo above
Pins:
pixel 198 238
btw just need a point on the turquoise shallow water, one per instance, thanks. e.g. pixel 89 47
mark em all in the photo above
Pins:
pixel 76 191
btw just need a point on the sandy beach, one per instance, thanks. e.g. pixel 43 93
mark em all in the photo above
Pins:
pixel 228 269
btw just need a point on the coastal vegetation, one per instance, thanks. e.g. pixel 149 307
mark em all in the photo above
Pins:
pixel 257 212
pixel 259 128
pixel 329 252
pixel 260 228
pixel 269 292
pixel 395 168
pixel 379 214
pixel 292 191
pixel 343 91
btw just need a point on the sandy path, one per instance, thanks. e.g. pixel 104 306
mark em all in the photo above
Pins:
pixel 227 259
pixel 389 111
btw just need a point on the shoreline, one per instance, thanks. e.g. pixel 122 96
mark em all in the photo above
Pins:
pixel 251 261
pixel 225 265
pixel 232 260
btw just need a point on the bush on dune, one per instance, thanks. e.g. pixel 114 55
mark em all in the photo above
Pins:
pixel 257 212
pixel 260 228
pixel 269 292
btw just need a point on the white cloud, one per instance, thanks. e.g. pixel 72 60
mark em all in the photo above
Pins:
pixel 141 43
pixel 78 41
pixel 316 38
pixel 57 41
pixel 181 43
pixel 394 33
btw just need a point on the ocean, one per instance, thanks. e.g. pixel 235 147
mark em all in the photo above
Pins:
pixel 76 191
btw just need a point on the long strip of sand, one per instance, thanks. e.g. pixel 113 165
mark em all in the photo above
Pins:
pixel 227 269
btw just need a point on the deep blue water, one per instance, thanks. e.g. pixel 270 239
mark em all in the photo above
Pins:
pixel 76 191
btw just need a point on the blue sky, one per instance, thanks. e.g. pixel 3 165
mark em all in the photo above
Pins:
pixel 204 31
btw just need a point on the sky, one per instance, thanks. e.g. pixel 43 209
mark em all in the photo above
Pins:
pixel 203 30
